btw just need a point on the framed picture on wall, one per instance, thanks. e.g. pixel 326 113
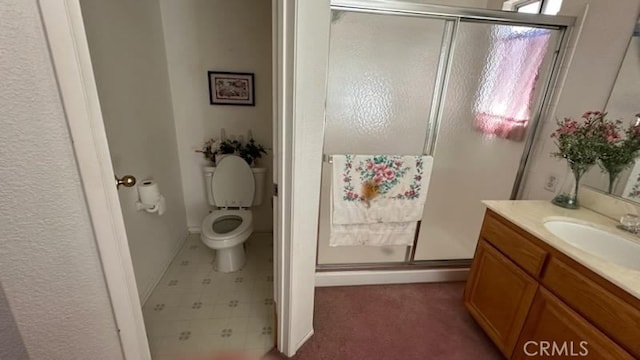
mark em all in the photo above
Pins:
pixel 231 88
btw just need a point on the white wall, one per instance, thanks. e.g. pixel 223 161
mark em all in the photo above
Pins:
pixel 596 52
pixel 128 55
pixel 11 344
pixel 217 35
pixel 49 264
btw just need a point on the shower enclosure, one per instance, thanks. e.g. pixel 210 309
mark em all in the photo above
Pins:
pixel 465 86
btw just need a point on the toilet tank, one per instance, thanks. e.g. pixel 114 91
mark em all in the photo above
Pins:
pixel 259 175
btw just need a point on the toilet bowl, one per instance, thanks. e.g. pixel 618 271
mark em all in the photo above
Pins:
pixel 225 231
pixel 231 187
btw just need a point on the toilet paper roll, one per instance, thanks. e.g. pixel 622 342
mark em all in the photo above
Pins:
pixel 149 192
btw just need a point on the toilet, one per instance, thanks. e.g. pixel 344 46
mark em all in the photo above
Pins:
pixel 232 188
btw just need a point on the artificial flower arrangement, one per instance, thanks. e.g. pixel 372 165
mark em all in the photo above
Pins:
pixel 618 153
pixel 249 151
pixel 593 139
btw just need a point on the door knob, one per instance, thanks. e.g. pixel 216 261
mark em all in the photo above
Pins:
pixel 127 181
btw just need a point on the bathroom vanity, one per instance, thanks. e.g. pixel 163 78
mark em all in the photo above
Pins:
pixel 536 295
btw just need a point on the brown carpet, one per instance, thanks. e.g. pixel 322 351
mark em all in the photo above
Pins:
pixel 404 322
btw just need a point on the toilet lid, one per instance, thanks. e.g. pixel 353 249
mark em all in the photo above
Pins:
pixel 232 184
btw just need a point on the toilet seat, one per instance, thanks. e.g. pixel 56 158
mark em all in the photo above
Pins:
pixel 224 239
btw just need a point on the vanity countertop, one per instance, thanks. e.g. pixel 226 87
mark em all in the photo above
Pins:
pixel 530 215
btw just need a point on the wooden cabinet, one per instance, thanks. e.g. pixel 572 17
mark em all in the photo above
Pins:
pixel 616 317
pixel 499 293
pixel 555 331
pixel 535 302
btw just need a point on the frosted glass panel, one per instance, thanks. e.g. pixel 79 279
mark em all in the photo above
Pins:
pixel 476 158
pixel 381 77
pixel 382 71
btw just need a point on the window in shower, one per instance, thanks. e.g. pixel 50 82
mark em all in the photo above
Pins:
pixel 503 104
pixel 546 7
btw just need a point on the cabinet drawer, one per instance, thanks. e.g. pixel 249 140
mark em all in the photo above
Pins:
pixel 553 330
pixel 519 249
pixel 615 317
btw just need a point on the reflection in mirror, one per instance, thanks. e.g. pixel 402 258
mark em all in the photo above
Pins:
pixel 624 104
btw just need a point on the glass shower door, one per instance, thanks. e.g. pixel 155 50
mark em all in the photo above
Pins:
pixel 381 80
pixel 498 76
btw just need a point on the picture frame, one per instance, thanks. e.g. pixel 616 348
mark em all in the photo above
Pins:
pixel 231 88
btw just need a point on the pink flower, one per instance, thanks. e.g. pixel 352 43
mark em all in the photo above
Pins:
pixel 380 167
pixel 369 165
pixel 346 179
pixel 390 174
pixel 378 179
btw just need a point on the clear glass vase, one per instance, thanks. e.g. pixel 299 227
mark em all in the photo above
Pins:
pixel 613 177
pixel 567 193
pixel 613 171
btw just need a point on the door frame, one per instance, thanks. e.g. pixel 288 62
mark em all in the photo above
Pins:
pixel 295 265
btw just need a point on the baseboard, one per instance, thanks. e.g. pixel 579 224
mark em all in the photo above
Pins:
pixel 347 278
pixel 174 253
pixel 300 343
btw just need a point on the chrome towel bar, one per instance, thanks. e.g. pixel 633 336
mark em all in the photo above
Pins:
pixel 329 158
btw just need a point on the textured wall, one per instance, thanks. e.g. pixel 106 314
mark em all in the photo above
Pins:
pixel 127 52
pixel 11 345
pixel 49 265
pixel 225 36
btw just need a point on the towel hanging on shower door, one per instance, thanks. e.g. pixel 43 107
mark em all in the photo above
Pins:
pixel 377 199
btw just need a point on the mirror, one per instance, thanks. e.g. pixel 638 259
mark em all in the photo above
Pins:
pixel 623 104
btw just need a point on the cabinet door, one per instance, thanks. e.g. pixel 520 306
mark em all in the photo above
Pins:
pixel 498 295
pixel 554 331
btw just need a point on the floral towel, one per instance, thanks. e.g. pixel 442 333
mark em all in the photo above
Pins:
pixel 371 189
pixel 383 234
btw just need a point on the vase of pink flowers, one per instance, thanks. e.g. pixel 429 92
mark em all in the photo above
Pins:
pixel 579 143
pixel 617 152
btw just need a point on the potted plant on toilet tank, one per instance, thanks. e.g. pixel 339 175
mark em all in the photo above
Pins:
pixel 214 150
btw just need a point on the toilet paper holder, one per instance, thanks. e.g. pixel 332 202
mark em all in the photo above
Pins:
pixel 149 197
pixel 151 208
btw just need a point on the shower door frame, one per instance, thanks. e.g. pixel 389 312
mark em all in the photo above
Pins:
pixel 453 16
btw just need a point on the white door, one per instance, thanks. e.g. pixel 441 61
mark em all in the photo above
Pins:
pixel 70 53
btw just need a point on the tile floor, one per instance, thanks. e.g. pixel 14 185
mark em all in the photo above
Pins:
pixel 196 310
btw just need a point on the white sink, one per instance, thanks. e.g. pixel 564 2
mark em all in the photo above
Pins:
pixel 606 245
